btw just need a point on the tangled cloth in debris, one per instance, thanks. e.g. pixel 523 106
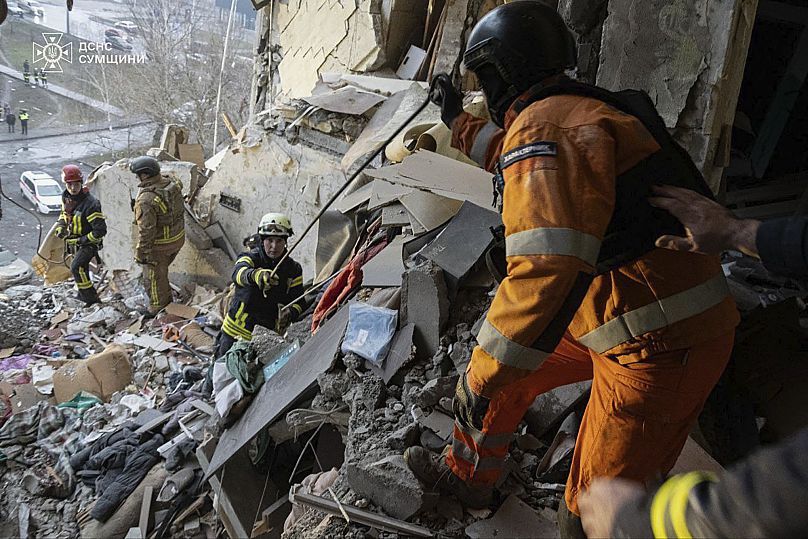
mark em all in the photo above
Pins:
pixel 119 483
pixel 58 432
pixel 348 280
pixel 242 363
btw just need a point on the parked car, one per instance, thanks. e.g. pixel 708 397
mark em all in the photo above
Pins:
pixel 41 190
pixel 13 270
pixel 117 43
pixel 31 7
pixel 117 34
pixel 128 26
pixel 15 10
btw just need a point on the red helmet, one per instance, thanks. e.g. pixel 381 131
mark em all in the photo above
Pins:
pixel 71 173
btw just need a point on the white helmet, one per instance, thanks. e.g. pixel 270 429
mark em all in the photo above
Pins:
pixel 275 224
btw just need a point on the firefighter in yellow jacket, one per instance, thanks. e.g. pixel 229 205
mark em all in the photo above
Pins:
pixel 160 219
pixel 587 295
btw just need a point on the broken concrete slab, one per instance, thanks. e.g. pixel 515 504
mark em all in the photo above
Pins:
pixel 425 303
pixel 400 352
pixel 281 391
pixel 463 242
pixel 389 483
pixel 439 423
pixel 550 408
pixel 515 520
pixel 345 100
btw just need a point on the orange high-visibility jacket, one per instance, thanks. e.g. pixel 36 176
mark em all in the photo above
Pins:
pixel 558 201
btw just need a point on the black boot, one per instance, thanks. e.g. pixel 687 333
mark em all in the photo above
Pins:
pixel 569 524
pixel 89 296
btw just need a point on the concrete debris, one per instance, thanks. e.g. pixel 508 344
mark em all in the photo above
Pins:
pixel 552 407
pixel 515 519
pixel 389 483
pixel 425 303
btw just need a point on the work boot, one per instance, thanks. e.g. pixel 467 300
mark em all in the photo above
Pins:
pixel 89 296
pixel 432 470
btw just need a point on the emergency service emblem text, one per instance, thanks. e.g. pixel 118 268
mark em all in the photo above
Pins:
pixel 53 52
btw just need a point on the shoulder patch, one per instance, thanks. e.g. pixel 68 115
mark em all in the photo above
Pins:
pixel 541 148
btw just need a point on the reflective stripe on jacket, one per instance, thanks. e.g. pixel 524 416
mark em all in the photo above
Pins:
pixel 561 158
pixel 159 214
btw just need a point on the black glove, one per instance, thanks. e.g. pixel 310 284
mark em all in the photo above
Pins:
pixel 468 407
pixel 61 232
pixel 447 97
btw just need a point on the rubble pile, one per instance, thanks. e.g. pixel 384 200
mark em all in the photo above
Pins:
pixel 101 411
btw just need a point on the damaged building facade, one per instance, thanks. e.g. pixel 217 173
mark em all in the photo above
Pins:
pixel 308 430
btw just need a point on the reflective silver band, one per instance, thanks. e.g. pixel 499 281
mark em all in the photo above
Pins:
pixel 653 316
pixel 489 441
pixel 459 449
pixel 554 241
pixel 480 147
pixel 508 352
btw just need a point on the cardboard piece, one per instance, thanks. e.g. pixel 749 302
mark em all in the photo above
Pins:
pixel 185 312
pixel 346 100
pixel 24 397
pixel 429 209
pixel 515 519
pixel 440 174
pixel 281 391
pixel 694 458
pixel 385 269
pixel 412 63
pixel 101 374
pixel 59 318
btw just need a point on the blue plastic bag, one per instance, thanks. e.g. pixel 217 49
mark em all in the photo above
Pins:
pixel 370 331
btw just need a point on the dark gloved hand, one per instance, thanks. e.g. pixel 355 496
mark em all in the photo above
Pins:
pixel 143 261
pixel 73 242
pixel 469 408
pixel 284 320
pixel 265 280
pixel 61 232
pixel 447 97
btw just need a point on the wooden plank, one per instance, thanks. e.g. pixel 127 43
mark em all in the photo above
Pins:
pixel 145 510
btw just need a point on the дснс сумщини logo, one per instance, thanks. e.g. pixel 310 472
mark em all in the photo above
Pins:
pixel 52 52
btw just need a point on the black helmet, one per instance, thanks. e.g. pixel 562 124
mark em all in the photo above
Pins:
pixel 515 46
pixel 144 165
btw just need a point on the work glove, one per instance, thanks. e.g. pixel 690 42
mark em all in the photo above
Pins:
pixel 468 407
pixel 265 280
pixel 73 242
pixel 61 232
pixel 284 319
pixel 447 97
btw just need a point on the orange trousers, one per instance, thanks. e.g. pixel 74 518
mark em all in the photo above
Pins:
pixel 635 425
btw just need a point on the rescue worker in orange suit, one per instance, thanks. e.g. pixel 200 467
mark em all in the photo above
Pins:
pixel 82 225
pixel 160 217
pixel 261 297
pixel 587 294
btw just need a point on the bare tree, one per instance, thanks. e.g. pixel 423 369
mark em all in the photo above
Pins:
pixel 183 46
